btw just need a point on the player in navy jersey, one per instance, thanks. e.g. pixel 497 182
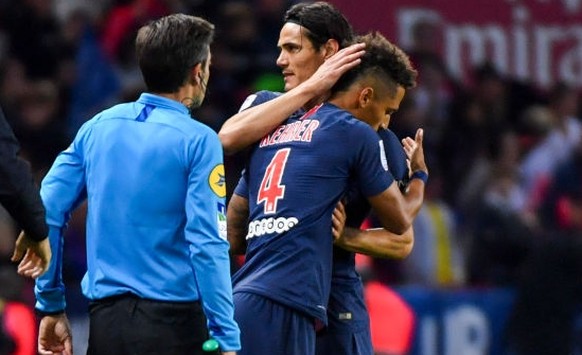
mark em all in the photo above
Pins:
pixel 348 330
pixel 295 176
pixel 309 46
pixel 314 54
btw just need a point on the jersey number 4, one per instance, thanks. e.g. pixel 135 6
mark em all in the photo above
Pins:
pixel 271 189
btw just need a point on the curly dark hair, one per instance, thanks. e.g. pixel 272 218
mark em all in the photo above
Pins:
pixel 384 61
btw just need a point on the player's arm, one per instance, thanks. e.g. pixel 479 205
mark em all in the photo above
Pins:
pixel 251 124
pixel 237 219
pixel 20 196
pixel 397 210
pixel 377 242
pixel 18 192
pixel 61 191
pixel 206 237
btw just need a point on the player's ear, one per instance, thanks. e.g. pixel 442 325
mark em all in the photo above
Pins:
pixel 330 47
pixel 366 96
pixel 195 76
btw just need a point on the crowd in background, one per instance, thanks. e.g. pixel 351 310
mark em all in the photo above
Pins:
pixel 504 200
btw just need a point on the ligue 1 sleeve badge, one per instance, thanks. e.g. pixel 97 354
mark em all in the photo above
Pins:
pixel 217 181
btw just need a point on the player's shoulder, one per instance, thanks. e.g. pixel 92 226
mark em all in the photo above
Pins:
pixel 259 98
pixel 116 111
pixel 391 141
pixel 200 129
pixel 331 114
pixel 387 134
pixel 189 127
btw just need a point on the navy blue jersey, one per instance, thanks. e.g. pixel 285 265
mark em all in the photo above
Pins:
pixel 358 208
pixel 395 156
pixel 295 177
pixel 258 98
pixel 346 303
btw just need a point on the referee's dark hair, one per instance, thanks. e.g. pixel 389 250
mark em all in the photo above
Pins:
pixel 383 61
pixel 322 22
pixel 168 48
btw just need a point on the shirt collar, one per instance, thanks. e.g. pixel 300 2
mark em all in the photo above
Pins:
pixel 157 100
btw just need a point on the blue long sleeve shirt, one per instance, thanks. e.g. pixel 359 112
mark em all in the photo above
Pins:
pixel 156 226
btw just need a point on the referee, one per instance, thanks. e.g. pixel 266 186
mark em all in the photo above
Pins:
pixel 158 272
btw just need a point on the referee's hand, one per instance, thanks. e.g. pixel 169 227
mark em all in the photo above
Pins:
pixel 55 336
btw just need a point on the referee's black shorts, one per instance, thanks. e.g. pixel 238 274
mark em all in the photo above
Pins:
pixel 128 325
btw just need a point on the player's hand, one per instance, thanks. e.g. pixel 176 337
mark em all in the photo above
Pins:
pixel 333 68
pixel 34 256
pixel 338 221
pixel 229 353
pixel 415 152
pixel 54 335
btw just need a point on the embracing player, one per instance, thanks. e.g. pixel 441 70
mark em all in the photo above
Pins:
pixel 295 176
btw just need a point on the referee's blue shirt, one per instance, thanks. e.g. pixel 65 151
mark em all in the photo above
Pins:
pixel 156 224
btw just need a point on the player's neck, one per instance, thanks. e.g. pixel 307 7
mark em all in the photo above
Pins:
pixel 342 100
pixel 315 101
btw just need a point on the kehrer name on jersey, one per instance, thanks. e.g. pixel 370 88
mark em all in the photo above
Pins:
pixel 300 131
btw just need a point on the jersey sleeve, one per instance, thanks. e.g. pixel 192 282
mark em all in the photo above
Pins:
pixel 395 155
pixel 370 168
pixel 206 235
pixel 242 188
pixel 62 189
pixel 257 99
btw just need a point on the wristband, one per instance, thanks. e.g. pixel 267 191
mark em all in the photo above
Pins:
pixel 420 174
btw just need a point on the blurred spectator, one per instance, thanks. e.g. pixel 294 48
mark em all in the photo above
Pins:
pixel 500 233
pixel 235 64
pixel 558 210
pixel 499 162
pixel 34 35
pixel 122 21
pixel 269 15
pixel 465 140
pixel 437 258
pixel 478 117
pixel 434 94
pixel 96 84
pixel 41 134
pixel 14 83
pixel 540 163
pixel 549 295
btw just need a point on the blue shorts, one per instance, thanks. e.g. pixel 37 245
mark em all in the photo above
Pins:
pixel 268 327
pixel 348 329
pixel 344 341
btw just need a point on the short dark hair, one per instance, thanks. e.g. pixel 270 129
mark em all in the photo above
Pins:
pixel 169 47
pixel 384 60
pixel 322 22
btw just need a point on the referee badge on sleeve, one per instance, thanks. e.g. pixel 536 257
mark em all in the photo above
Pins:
pixel 217 181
